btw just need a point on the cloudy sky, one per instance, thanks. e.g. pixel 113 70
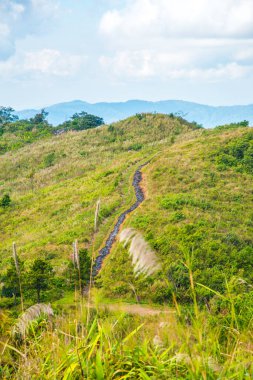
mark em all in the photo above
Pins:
pixel 113 50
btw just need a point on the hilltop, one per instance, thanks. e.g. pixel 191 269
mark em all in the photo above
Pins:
pixel 208 116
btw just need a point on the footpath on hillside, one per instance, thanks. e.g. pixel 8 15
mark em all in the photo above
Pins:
pixel 140 197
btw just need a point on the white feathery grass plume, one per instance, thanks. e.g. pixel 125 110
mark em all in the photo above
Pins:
pixel 96 216
pixel 23 323
pixel 76 255
pixel 144 259
pixel 73 255
pixel 157 341
pixel 15 258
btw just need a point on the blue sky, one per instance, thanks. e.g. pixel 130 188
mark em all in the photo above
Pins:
pixel 113 50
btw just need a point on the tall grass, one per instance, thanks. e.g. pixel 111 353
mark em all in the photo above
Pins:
pixel 194 343
pixel 116 346
pixel 16 262
pixel 144 259
pixel 32 313
pixel 96 219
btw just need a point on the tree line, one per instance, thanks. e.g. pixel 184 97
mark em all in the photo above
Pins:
pixel 15 133
pixel 40 281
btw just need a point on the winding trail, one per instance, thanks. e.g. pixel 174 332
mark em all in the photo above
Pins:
pixel 139 193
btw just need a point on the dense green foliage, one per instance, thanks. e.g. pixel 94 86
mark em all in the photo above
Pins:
pixel 15 133
pixel 6 116
pixel 80 122
pixel 237 154
pixel 39 277
pixel 5 201
pixel 225 127
pixel 39 280
pixel 10 281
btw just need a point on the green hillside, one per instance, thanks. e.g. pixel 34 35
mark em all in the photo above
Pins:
pixel 198 189
pixel 195 223
pixel 55 183
pixel 198 207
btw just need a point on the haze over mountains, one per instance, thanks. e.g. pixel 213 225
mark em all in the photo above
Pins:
pixel 208 116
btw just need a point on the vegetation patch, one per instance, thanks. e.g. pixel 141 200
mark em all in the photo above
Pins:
pixel 237 154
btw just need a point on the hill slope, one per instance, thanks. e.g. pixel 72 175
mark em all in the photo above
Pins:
pixel 208 116
pixel 55 183
pixel 198 213
pixel 197 210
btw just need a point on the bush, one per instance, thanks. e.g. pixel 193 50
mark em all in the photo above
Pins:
pixel 135 147
pixel 5 201
pixel 81 121
pixel 6 302
pixel 49 160
pixel 238 153
pixel 240 124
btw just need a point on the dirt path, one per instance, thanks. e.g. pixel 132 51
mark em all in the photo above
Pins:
pixel 140 197
pixel 137 309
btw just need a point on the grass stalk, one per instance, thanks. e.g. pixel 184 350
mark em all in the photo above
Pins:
pixel 15 258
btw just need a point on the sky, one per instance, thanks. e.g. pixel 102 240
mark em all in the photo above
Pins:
pixel 114 50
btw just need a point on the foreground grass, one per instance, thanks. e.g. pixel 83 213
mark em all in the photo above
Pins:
pixel 184 345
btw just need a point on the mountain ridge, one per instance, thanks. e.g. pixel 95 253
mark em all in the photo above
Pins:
pixel 208 116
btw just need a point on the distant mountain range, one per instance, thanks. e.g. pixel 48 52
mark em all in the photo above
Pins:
pixel 208 116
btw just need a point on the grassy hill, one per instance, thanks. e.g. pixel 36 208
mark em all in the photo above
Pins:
pixel 198 211
pixel 55 183
pixel 197 208
pixel 197 218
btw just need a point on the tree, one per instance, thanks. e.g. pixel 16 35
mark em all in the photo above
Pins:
pixel 6 115
pixel 11 280
pixel 40 118
pixel 81 121
pixel 5 201
pixel 40 277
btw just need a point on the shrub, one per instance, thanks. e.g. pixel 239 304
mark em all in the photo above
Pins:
pixel 135 147
pixel 240 124
pixel 49 160
pixel 5 201
pixel 237 153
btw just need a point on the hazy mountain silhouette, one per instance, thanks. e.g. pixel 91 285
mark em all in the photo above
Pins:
pixel 208 116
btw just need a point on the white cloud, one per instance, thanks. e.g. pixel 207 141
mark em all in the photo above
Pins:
pixel 46 7
pixel 43 62
pixel 53 62
pixel 22 18
pixel 144 65
pixel 179 39
pixel 181 18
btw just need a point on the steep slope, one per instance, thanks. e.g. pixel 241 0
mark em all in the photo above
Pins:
pixel 55 183
pixel 197 214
